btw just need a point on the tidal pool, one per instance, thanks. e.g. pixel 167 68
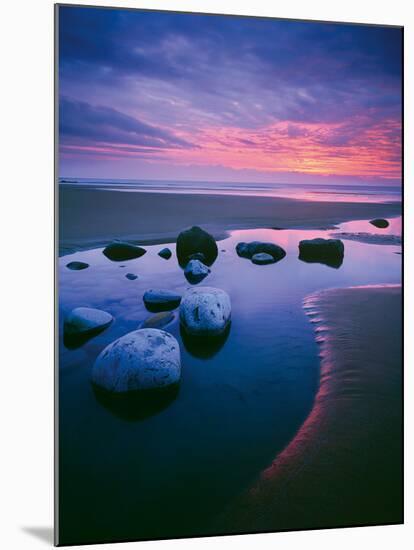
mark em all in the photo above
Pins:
pixel 168 472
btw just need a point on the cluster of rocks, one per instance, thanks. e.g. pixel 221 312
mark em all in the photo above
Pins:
pixel 149 359
pixel 260 252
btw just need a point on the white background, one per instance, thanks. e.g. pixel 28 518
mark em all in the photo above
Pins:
pixel 26 252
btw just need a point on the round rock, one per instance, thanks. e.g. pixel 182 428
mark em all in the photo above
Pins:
pixel 84 320
pixel 262 258
pixel 131 276
pixel 145 359
pixel 205 311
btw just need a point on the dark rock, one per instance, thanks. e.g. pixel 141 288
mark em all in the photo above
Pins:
pixel 194 240
pixel 380 223
pixel 131 276
pixel 119 251
pixel 195 271
pixel 262 258
pixel 165 253
pixel 161 300
pixel 248 250
pixel 77 266
pixel 325 251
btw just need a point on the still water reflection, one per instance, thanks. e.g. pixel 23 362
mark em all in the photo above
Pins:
pixel 167 468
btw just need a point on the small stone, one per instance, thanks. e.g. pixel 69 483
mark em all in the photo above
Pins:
pixel 195 271
pixel 165 253
pixel 262 258
pixel 380 223
pixel 131 276
pixel 77 266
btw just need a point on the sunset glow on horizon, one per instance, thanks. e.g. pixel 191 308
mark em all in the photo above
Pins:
pixel 180 96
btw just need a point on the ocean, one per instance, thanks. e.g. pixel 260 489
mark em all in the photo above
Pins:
pixel 314 192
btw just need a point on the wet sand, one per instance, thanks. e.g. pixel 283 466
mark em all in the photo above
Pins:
pixel 344 466
pixel 89 218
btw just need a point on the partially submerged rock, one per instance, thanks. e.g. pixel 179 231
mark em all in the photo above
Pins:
pixel 165 253
pixel 196 240
pixel 205 311
pixel 261 258
pixel 82 323
pixel 120 251
pixel 131 276
pixel 77 266
pixel 161 300
pixel 195 271
pixel 145 359
pixel 158 320
pixel 380 223
pixel 86 319
pixel 248 250
pixel 325 251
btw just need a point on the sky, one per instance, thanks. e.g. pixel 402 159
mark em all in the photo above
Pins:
pixel 150 95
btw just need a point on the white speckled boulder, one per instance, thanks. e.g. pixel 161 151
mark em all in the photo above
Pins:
pixel 84 320
pixel 205 311
pixel 145 359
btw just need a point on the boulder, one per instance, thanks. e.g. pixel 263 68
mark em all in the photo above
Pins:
pixel 119 251
pixel 145 359
pixel 380 223
pixel 195 240
pixel 77 266
pixel 161 300
pixel 165 253
pixel 261 258
pixel 195 271
pixel 86 320
pixel 248 250
pixel 205 311
pixel 158 320
pixel 325 251
pixel 131 276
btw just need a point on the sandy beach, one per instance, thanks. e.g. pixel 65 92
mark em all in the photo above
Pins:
pixel 344 466
pixel 89 218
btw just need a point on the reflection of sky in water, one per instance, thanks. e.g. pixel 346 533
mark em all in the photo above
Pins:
pixel 234 410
